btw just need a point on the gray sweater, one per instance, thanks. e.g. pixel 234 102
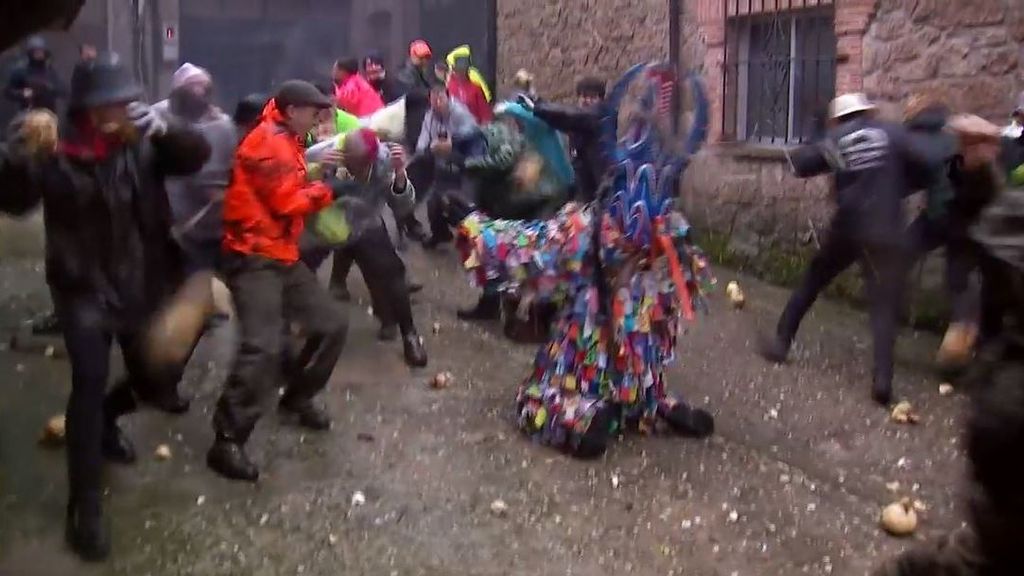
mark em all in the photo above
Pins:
pixel 364 201
pixel 197 200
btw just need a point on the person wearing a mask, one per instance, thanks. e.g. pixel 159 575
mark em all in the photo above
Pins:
pixel 582 123
pixel 448 129
pixel 352 93
pixel 265 209
pixel 417 72
pixel 374 176
pixel 34 83
pixel 390 89
pixel 197 200
pixel 462 88
pixel 875 165
pixel 110 262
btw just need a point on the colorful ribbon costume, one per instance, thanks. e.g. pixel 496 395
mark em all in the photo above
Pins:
pixel 624 272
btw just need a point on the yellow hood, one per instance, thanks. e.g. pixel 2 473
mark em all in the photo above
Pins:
pixel 474 75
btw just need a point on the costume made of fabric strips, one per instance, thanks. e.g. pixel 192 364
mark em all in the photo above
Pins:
pixel 624 272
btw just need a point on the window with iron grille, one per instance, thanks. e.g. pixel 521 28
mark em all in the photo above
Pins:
pixel 780 70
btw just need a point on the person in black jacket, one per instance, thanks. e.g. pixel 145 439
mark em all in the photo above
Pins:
pixel 988 544
pixel 952 205
pixel 418 72
pixel 34 83
pixel 582 124
pixel 110 260
pixel 390 89
pixel 875 165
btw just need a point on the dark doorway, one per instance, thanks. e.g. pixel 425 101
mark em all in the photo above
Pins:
pixel 446 24
pixel 270 43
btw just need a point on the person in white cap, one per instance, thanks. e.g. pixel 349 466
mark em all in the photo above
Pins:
pixel 875 165
pixel 196 200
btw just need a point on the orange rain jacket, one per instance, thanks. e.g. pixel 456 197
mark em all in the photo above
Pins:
pixel 269 197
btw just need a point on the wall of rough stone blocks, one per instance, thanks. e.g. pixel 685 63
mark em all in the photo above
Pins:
pixel 562 40
pixel 970 50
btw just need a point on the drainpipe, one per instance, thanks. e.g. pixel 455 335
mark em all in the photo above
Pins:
pixel 110 25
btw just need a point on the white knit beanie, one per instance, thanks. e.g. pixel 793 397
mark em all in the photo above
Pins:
pixel 190 73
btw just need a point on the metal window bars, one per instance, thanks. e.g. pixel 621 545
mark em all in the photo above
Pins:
pixel 779 69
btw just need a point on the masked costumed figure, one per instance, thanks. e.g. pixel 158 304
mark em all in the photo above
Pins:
pixel 624 273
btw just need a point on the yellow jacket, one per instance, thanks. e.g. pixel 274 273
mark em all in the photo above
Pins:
pixel 474 74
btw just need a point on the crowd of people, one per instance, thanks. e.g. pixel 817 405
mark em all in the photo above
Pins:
pixel 560 220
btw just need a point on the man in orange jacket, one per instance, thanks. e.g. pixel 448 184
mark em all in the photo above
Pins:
pixel 265 208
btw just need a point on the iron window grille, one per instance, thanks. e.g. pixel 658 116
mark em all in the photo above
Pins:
pixel 780 70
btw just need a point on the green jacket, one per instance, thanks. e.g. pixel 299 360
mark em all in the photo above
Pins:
pixel 497 192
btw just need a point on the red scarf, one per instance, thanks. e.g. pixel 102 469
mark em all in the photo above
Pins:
pixel 88 143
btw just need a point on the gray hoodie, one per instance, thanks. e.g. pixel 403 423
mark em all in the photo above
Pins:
pixel 197 200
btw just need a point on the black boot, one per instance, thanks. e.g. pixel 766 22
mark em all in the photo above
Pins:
pixel 594 441
pixel 230 461
pixel 488 307
pixel 881 389
pixel 308 414
pixel 116 445
pixel 435 242
pixel 388 332
pixel 84 529
pixel 341 293
pixel 415 352
pixel 46 325
pixel 774 349
pixel 170 401
pixel 692 422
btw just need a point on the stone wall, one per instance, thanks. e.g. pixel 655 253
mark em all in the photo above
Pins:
pixel 970 50
pixel 562 40
pixel 759 215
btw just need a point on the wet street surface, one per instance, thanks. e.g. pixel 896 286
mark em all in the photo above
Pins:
pixel 792 482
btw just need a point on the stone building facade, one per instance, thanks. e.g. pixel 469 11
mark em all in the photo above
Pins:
pixel 739 187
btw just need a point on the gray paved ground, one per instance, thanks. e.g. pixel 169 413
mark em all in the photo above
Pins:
pixel 791 484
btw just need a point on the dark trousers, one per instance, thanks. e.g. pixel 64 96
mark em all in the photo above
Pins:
pixel 883 268
pixel 200 255
pixel 421 174
pixel 90 410
pixel 383 271
pixel 270 295
pixel 927 235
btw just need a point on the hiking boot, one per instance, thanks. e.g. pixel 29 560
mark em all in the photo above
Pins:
pixel 230 461
pixel 388 333
pixel 116 445
pixel 309 415
pixel 774 349
pixel 488 307
pixel 85 531
pixel 692 422
pixel 415 352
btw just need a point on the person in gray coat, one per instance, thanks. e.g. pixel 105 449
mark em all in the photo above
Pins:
pixel 197 200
